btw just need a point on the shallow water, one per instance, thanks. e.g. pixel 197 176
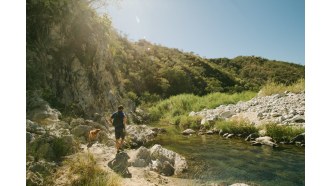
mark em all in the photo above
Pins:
pixel 212 158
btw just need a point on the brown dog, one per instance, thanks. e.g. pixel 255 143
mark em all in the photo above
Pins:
pixel 93 134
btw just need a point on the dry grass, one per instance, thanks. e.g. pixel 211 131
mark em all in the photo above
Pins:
pixel 82 170
pixel 275 88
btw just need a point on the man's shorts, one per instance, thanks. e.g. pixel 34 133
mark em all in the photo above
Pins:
pixel 119 133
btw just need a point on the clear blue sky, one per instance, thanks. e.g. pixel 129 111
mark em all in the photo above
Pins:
pixel 274 29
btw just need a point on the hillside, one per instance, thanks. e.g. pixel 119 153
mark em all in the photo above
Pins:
pixel 81 65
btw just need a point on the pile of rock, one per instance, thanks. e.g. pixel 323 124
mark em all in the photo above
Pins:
pixel 286 108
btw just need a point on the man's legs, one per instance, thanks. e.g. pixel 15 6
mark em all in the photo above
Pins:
pixel 121 143
pixel 120 137
pixel 117 144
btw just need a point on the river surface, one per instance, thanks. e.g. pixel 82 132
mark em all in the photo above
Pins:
pixel 214 159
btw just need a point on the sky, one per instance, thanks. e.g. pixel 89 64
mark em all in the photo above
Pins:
pixel 273 29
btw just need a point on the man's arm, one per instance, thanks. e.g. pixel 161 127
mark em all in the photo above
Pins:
pixel 125 121
pixel 109 122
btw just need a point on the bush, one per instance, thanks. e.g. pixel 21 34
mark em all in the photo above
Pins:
pixel 236 127
pixel 88 173
pixel 275 88
pixel 181 105
pixel 190 122
pixel 282 133
pixel 51 148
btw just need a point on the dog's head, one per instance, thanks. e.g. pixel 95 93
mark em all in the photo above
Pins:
pixel 95 131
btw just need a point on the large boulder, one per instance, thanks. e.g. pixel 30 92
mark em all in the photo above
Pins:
pixel 178 162
pixel 139 134
pixel 81 131
pixel 77 121
pixel 165 168
pixel 35 128
pixel 39 110
pixel 299 138
pixel 80 121
pixel 161 160
pixel 142 157
pixel 120 164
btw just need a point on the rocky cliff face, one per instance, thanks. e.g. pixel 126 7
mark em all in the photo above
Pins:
pixel 83 89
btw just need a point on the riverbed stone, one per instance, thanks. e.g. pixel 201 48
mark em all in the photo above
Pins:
pixel 298 138
pixel 229 135
pixel 298 119
pixel 209 132
pixel 266 140
pixel 239 184
pixel 227 114
pixel 188 131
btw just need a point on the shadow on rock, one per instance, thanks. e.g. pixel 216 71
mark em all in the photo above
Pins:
pixel 120 164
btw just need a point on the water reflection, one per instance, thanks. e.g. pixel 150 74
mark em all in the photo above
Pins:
pixel 216 159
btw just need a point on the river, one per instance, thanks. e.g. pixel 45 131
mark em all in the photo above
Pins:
pixel 214 159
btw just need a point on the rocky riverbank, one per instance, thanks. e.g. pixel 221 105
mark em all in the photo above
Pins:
pixel 286 109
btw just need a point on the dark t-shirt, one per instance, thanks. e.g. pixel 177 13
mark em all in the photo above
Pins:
pixel 118 119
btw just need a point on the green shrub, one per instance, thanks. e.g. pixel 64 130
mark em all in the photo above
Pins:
pixel 84 166
pixel 62 148
pixel 281 132
pixel 236 127
pixel 182 104
pixel 275 88
pixel 51 148
pixel 190 122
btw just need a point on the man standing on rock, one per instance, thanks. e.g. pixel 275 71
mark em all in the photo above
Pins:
pixel 118 120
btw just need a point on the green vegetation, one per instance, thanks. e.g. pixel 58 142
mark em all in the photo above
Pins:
pixel 257 71
pixel 72 52
pixel 283 133
pixel 275 88
pixel 84 167
pixel 236 127
pixel 175 110
pixel 51 148
pixel 279 133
